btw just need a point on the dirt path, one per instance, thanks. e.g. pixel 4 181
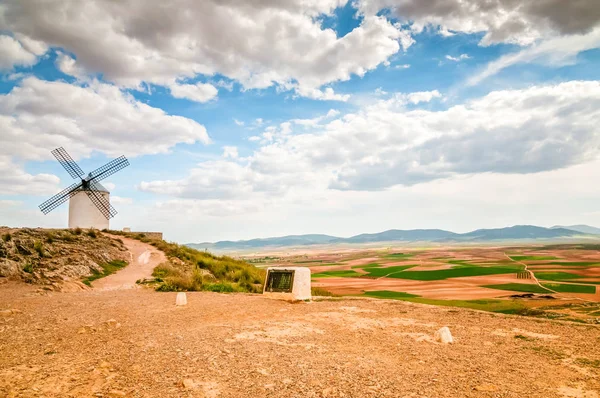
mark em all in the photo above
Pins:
pixel 144 258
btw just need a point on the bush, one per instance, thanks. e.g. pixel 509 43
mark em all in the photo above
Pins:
pixel 7 237
pixel 49 238
pixel 38 246
pixel 28 268
pixel 92 233
pixel 76 231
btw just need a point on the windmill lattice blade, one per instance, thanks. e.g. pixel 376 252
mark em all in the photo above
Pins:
pixel 109 169
pixel 59 198
pixel 68 163
pixel 102 204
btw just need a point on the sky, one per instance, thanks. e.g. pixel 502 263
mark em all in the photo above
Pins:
pixel 267 118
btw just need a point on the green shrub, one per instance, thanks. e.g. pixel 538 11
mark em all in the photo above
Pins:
pixel 76 231
pixel 49 238
pixel 7 237
pixel 92 233
pixel 28 268
pixel 38 246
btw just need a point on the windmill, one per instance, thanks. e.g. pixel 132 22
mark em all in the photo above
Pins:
pixel 89 201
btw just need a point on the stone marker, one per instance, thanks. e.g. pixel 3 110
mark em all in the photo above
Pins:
pixel 288 283
pixel 181 299
pixel 444 336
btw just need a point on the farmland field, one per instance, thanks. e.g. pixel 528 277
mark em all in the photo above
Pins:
pixel 490 278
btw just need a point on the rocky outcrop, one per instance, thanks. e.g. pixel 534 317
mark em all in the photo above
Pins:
pixel 56 258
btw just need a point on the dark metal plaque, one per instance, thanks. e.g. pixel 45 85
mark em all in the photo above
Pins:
pixel 280 281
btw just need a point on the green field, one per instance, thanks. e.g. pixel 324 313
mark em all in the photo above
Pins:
pixel 455 273
pixel 557 276
pixel 379 271
pixel 337 274
pixel 574 263
pixel 533 258
pixel 519 287
pixel 503 306
pixel 570 288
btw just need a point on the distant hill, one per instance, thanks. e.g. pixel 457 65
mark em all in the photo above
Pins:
pixel 586 229
pixel 402 235
pixel 517 232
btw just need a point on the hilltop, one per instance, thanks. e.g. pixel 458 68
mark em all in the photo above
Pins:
pixel 514 233
pixel 138 343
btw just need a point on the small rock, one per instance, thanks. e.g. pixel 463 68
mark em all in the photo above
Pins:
pixel 116 393
pixel 10 312
pixel 181 299
pixel 188 383
pixel 444 336
pixel 111 323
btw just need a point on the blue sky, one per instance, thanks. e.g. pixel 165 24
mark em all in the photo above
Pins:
pixel 305 117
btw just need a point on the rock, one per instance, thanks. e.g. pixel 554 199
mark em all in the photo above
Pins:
pixel 444 336
pixel 181 299
pixel 111 323
pixel 116 393
pixel 188 383
pixel 10 312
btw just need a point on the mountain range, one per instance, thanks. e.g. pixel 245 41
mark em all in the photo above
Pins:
pixel 517 232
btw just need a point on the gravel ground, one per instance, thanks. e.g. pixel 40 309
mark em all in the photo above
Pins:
pixel 138 343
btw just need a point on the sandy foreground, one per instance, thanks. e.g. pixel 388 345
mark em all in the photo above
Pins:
pixel 137 343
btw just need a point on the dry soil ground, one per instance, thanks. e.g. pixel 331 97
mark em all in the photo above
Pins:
pixel 137 343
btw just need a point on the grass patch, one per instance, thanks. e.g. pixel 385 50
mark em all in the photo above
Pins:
pixel 92 233
pixel 362 266
pixel 592 363
pixel 533 258
pixel 388 294
pixel 107 269
pixel 519 287
pixel 28 268
pixel 570 288
pixel 188 271
pixel 337 274
pixel 398 256
pixel 319 291
pixel 455 273
pixel 502 306
pixel 7 237
pixel 379 271
pixel 557 276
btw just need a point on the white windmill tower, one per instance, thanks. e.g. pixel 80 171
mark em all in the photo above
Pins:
pixel 89 201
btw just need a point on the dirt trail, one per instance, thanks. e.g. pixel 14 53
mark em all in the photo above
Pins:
pixel 143 259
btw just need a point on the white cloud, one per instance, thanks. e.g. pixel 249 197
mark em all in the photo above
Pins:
pixel 38 115
pixel 67 65
pixel 118 200
pixel 15 181
pixel 199 92
pixel 505 132
pixel 254 138
pixel 403 66
pixel 459 58
pixel 13 54
pixel 109 185
pixel 230 152
pixel 238 122
pixel 558 51
pixel 114 39
pixel 324 95
pixel 422 96
pixel 503 21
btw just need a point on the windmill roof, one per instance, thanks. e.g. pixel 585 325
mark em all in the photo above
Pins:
pixel 99 188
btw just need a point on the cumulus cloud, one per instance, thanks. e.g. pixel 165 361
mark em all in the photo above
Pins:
pixel 39 115
pixel 386 144
pixel 115 39
pixel 15 181
pixel 199 92
pixel 503 21
pixel 13 54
